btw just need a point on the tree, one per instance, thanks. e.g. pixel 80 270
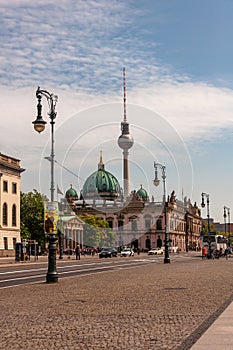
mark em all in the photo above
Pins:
pixel 205 227
pixel 96 232
pixel 32 216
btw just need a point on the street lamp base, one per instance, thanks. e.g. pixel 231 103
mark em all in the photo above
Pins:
pixel 52 275
pixel 166 261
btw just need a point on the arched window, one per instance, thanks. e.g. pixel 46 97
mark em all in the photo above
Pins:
pixel 4 214
pixel 148 244
pixel 13 215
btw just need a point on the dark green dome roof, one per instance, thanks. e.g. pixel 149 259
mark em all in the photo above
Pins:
pixel 142 193
pixel 71 192
pixel 101 184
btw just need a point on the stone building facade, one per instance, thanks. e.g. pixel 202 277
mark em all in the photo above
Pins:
pixel 10 172
pixel 140 222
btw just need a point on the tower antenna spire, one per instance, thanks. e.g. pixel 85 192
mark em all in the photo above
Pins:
pixel 124 85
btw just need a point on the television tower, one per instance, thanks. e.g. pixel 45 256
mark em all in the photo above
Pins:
pixel 125 142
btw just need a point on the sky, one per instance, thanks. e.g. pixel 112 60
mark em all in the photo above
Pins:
pixel 179 75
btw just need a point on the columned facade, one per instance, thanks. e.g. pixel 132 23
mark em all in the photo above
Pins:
pixel 71 228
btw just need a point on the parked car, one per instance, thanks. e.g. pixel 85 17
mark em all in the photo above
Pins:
pixel 155 251
pixel 173 249
pixel 127 252
pixel 108 253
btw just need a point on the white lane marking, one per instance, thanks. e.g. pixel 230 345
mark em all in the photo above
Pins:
pixel 127 266
pixel 66 272
pixel 20 278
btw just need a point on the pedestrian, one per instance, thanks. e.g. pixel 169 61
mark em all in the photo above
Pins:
pixel 77 252
pixel 204 253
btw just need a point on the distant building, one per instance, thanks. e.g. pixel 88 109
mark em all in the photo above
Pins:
pixel 10 172
pixel 137 220
pixel 71 227
pixel 228 227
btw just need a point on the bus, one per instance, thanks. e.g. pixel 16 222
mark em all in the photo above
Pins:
pixel 214 242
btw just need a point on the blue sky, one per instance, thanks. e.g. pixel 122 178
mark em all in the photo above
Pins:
pixel 178 58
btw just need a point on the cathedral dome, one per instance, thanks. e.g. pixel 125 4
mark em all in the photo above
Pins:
pixel 101 184
pixel 71 193
pixel 142 193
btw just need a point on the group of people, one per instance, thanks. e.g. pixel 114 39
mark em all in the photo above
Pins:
pixel 90 251
pixel 85 251
pixel 215 253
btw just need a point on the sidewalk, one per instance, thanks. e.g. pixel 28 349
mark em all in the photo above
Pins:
pixel 220 334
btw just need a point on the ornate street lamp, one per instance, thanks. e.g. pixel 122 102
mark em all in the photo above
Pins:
pixel 208 217
pixel 156 183
pixel 226 209
pixel 39 126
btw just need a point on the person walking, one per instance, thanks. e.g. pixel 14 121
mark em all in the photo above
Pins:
pixel 77 252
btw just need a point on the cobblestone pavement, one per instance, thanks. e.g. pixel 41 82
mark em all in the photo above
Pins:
pixel 158 306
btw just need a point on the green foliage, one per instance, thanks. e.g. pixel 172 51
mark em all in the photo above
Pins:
pixel 32 215
pixel 205 227
pixel 96 232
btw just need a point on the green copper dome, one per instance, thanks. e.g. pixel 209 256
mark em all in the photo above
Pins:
pixel 101 184
pixel 142 193
pixel 71 192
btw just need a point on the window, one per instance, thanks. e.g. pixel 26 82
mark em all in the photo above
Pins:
pixel 172 224
pixel 120 225
pixel 5 186
pixel 147 222
pixel 5 243
pixel 14 188
pixel 159 224
pixel 134 225
pixel 4 214
pixel 14 243
pixel 14 215
pixel 110 223
pixel 147 243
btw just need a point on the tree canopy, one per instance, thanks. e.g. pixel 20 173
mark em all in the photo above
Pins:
pixel 97 232
pixel 32 215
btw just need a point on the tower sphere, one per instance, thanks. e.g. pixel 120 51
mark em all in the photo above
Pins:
pixel 125 141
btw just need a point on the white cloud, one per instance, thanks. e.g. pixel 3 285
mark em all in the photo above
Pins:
pixel 160 117
pixel 194 109
pixel 78 43
pixel 76 49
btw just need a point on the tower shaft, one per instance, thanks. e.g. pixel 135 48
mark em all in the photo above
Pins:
pixel 126 173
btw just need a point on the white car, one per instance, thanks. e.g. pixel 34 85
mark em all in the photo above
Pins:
pixel 155 251
pixel 127 252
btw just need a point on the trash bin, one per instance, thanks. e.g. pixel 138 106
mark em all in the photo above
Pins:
pixel 18 251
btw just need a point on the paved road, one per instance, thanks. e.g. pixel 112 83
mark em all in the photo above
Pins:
pixel 35 272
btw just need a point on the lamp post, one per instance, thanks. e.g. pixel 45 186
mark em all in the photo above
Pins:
pixel 39 126
pixel 225 215
pixel 156 183
pixel 208 217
